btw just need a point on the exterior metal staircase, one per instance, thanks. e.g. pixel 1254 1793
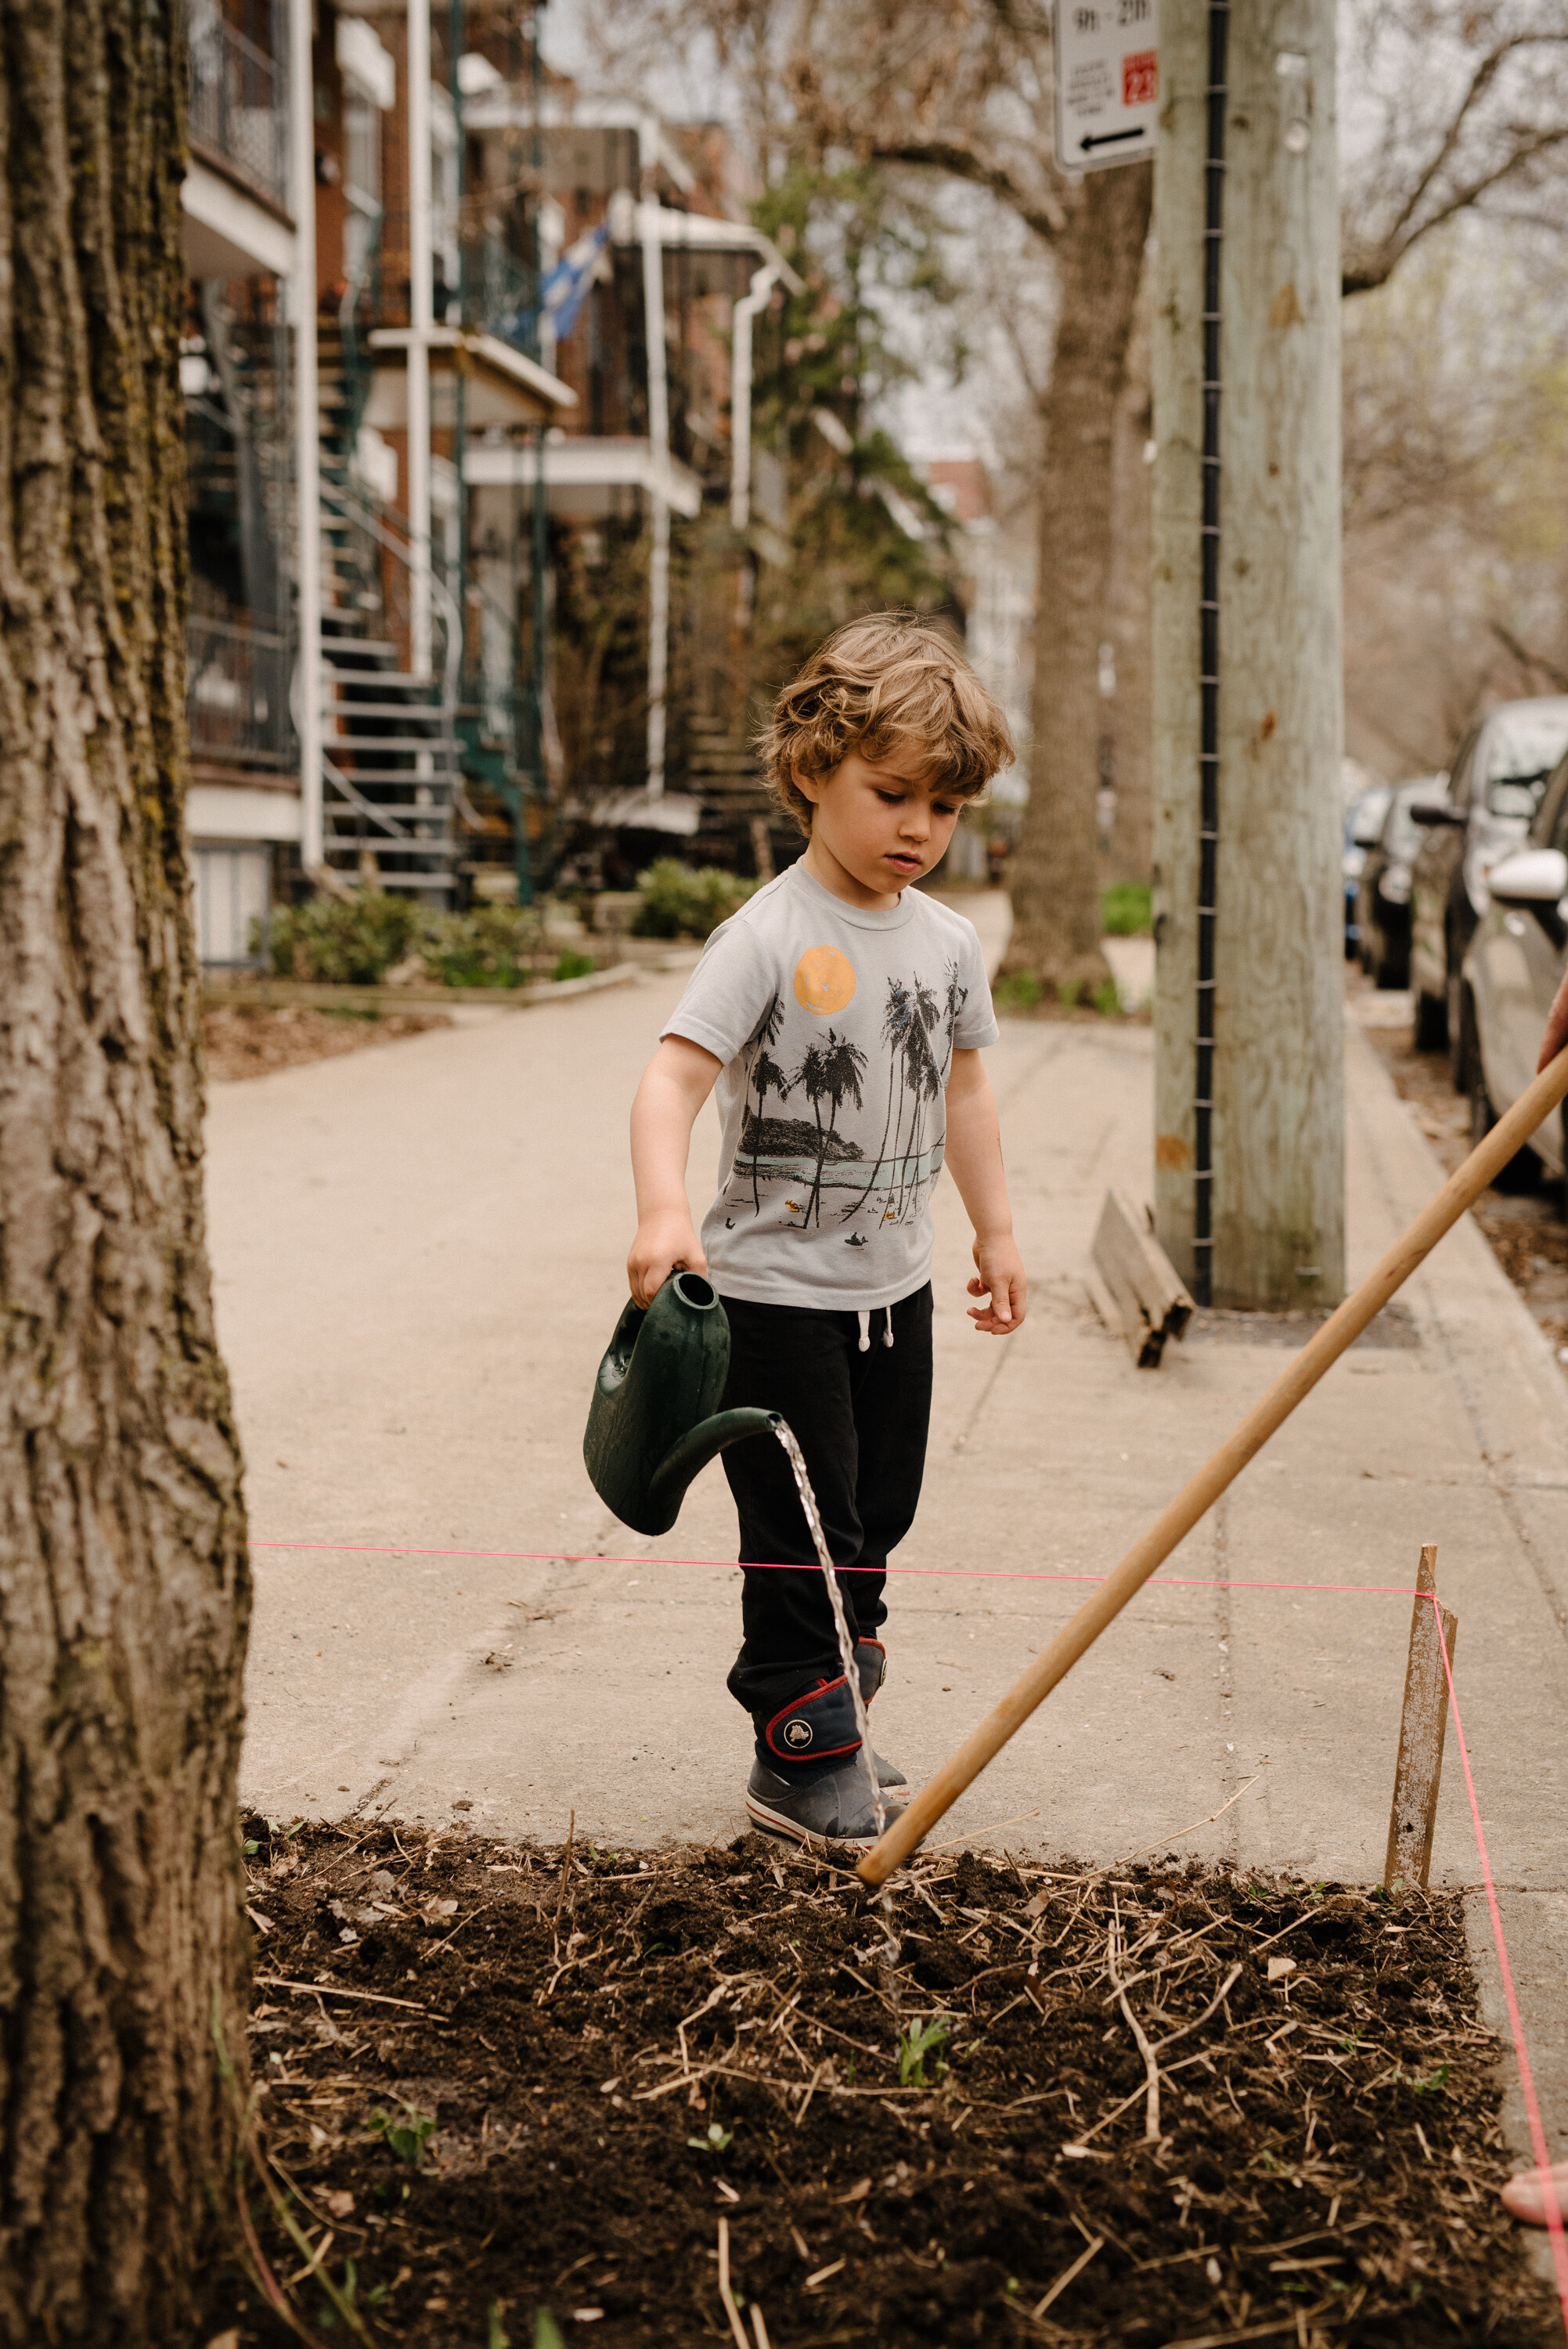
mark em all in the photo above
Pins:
pixel 390 755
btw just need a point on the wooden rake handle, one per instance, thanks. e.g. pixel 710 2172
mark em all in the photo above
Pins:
pixel 1176 1521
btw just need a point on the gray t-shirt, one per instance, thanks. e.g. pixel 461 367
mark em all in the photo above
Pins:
pixel 837 1029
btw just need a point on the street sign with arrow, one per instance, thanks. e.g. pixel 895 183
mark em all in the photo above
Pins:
pixel 1108 81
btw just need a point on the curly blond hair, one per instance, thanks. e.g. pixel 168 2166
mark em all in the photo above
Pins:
pixel 878 685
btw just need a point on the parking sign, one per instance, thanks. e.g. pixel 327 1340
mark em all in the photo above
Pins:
pixel 1108 81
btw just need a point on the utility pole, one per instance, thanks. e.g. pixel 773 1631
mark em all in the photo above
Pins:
pixel 1248 723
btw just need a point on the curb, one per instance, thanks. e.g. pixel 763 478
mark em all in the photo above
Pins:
pixel 275 992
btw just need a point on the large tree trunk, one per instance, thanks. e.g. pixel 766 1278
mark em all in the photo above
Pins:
pixel 124 1589
pixel 1055 891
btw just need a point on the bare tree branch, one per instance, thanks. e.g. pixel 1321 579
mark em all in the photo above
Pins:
pixel 960 161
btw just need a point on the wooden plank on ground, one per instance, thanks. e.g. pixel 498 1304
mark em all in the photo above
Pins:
pixel 1150 1302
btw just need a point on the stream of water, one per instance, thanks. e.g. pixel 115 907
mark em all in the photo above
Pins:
pixel 796 1458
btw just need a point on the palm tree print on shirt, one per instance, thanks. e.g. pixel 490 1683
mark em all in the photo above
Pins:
pixel 915 1081
pixel 896 1018
pixel 829 1068
pixel 921 1080
pixel 768 1078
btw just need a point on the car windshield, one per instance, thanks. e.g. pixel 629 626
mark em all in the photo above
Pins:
pixel 1523 748
pixel 1367 816
pixel 1402 836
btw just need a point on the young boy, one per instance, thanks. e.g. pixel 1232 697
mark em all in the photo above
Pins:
pixel 841 1014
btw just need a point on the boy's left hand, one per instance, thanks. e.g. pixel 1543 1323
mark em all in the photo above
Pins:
pixel 1000 1275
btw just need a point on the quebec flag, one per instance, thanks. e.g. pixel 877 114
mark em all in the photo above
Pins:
pixel 565 289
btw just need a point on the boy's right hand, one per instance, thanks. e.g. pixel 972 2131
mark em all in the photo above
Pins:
pixel 666 1242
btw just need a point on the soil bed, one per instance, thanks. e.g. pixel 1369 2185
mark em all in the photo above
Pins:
pixel 499 2079
pixel 253 1040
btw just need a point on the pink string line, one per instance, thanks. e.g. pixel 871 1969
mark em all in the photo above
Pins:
pixel 1516 2021
pixel 794 1566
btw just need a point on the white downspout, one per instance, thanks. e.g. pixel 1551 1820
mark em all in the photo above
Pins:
pixel 659 446
pixel 763 281
pixel 307 427
pixel 420 318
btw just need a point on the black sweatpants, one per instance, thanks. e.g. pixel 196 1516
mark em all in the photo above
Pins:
pixel 861 1419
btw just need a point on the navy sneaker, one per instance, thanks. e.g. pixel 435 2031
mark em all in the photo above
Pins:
pixel 817 1729
pixel 870 1664
pixel 835 1807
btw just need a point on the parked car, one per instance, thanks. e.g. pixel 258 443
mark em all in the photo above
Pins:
pixel 1494 790
pixel 1383 895
pixel 1363 821
pixel 1511 971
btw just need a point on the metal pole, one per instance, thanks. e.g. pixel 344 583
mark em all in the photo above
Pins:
pixel 459 414
pixel 746 310
pixel 421 320
pixel 659 451
pixel 1209 660
pixel 306 431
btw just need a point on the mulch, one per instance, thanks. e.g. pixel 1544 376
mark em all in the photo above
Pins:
pixel 504 2092
pixel 253 1040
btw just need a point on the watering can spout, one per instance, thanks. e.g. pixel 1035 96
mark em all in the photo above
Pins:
pixel 707 1439
pixel 653 1421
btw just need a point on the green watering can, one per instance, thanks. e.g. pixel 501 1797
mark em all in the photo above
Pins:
pixel 652 1424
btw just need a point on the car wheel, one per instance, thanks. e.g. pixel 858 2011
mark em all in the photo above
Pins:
pixel 1431 1022
pixel 1523 1171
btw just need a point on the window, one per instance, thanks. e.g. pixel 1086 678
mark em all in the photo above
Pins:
pixel 1523 746
pixel 233 893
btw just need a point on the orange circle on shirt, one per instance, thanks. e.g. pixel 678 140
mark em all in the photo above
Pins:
pixel 824 979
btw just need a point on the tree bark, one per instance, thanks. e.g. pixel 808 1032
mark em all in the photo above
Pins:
pixel 1268 909
pixel 1131 619
pixel 1055 881
pixel 124 1586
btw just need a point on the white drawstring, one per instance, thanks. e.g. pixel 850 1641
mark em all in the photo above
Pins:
pixel 887 1333
pixel 864 1318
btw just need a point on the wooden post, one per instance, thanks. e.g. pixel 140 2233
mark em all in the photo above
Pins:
pixel 1198 1496
pixel 1250 180
pixel 1422 1725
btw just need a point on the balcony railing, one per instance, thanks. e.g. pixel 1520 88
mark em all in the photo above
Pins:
pixel 236 694
pixel 237 110
pixel 496 293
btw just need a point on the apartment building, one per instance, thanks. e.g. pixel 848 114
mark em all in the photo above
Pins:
pixel 467 373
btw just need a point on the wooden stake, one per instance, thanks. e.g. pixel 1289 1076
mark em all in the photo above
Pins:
pixel 1422 1725
pixel 1176 1521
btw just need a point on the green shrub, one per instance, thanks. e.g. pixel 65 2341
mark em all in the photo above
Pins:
pixel 1018 991
pixel 680 903
pixel 490 945
pixel 342 941
pixel 1108 999
pixel 570 964
pixel 1125 911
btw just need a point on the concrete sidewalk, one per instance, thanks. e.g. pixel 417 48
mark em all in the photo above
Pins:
pixel 419 1255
